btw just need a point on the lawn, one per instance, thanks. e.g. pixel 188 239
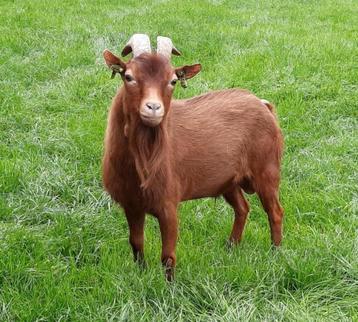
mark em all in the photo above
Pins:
pixel 64 253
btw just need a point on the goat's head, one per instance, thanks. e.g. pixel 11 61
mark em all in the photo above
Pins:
pixel 149 79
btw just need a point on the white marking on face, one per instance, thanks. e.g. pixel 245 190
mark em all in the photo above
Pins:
pixel 151 108
pixel 152 96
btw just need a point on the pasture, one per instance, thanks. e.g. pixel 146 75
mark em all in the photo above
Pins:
pixel 64 254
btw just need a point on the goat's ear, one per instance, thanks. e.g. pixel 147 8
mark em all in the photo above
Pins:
pixel 187 72
pixel 112 59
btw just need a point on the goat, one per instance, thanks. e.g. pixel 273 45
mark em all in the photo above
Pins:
pixel 159 151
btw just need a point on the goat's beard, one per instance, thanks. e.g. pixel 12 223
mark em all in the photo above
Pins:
pixel 148 146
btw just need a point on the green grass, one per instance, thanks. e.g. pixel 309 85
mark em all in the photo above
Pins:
pixel 63 243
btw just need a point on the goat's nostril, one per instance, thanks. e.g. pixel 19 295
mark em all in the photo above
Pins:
pixel 153 106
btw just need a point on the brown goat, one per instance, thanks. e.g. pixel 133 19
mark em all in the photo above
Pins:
pixel 159 151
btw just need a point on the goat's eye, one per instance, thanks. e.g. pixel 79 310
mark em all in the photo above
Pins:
pixel 128 78
pixel 173 82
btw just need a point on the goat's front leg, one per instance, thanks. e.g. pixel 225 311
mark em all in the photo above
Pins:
pixel 136 220
pixel 168 223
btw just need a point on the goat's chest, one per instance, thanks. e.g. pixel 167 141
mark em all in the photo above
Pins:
pixel 131 194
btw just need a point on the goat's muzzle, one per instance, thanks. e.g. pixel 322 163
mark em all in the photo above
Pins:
pixel 152 113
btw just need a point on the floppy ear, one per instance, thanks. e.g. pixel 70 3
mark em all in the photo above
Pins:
pixel 114 62
pixel 188 71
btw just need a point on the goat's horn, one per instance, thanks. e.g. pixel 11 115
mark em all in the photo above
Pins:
pixel 138 44
pixel 165 47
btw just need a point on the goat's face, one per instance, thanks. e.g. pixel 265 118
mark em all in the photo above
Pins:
pixel 149 81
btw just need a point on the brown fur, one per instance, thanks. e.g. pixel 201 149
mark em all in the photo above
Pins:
pixel 218 143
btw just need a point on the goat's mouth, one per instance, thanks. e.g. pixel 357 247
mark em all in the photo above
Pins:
pixel 151 121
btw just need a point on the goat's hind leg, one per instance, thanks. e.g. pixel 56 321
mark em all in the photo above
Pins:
pixel 269 196
pixel 240 205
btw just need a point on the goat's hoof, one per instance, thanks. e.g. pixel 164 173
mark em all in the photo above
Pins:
pixel 169 270
pixel 231 244
pixel 142 264
pixel 139 259
pixel 169 274
pixel 275 247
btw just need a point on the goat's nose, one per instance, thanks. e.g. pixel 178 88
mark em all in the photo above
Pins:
pixel 153 106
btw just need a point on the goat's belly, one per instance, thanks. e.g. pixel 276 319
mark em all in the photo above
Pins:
pixel 202 182
pixel 214 192
pixel 209 166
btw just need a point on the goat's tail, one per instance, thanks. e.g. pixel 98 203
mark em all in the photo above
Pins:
pixel 269 105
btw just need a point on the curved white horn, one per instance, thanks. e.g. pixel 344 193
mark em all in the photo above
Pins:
pixel 138 44
pixel 165 47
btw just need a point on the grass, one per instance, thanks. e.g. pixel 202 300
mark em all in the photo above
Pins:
pixel 63 243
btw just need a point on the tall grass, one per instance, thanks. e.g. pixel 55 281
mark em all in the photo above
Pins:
pixel 63 243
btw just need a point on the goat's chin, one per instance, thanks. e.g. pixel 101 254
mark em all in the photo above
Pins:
pixel 151 121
